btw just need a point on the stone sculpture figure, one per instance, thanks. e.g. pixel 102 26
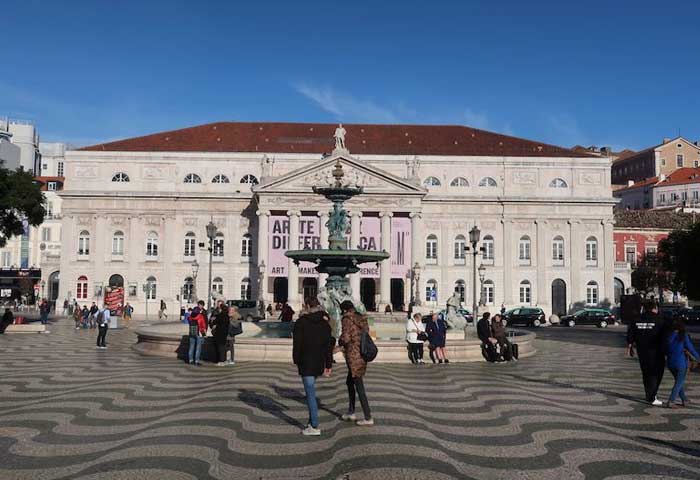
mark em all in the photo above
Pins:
pixel 339 136
pixel 330 299
pixel 337 222
pixel 454 319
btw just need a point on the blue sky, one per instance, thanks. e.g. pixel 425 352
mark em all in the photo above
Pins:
pixel 619 73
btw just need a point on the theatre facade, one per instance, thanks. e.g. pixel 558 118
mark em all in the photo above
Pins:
pixel 135 213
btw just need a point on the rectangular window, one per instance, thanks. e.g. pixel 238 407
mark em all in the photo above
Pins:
pixel 684 196
pixel 218 247
pixel 189 246
pixel 246 247
pixel 51 186
pixel 525 294
pixel 524 250
pixel 81 290
pixel 662 198
pixel 49 209
pixel 117 245
pixel 663 162
pixel 592 294
pixel 488 294
pixel 459 249
pixel 45 166
pixel 696 195
pixel 488 250
pixel 59 171
pixel 431 249
pixel 679 160
pixel 45 234
pixel 696 163
pixel 6 259
pixel 558 250
pixel 592 251
pixel 631 254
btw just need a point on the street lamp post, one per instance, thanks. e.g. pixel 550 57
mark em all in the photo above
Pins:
pixel 147 290
pixel 474 235
pixel 211 233
pixel 261 287
pixel 482 277
pixel 193 292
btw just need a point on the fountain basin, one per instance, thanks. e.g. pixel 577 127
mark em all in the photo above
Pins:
pixel 337 261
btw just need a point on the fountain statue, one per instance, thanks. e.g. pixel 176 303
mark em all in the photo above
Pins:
pixel 455 320
pixel 338 261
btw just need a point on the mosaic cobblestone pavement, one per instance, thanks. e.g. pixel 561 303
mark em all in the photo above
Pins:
pixel 68 410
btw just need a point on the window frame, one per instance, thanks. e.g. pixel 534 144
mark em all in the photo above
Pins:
pixel 525 292
pixel 118 241
pixel 152 292
pixel 220 178
pixel 192 178
pixel 247 246
pixel 591 250
pixel 488 182
pixel 246 290
pixel 592 293
pixel 190 249
pixel 558 182
pixel 120 177
pixel 432 181
pixel 152 240
pixel 525 250
pixel 250 179
pixel 81 289
pixel 84 243
pixel 431 248
pixel 459 182
pixel 489 292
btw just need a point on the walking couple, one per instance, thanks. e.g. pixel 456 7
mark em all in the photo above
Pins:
pixel 313 349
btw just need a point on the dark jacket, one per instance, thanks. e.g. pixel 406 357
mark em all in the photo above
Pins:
pixel 312 349
pixel 437 332
pixel 483 330
pixel 287 313
pixel 220 326
pixel 647 333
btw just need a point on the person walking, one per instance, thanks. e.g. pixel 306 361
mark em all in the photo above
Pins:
pixel 436 328
pixel 353 324
pixel 128 312
pixel 93 312
pixel 312 352
pixel 66 306
pixel 77 317
pixel 219 329
pixel 415 336
pixel 162 310
pixel 86 316
pixel 235 328
pixel 287 313
pixel 44 312
pixel 102 321
pixel 646 334
pixel 679 348
pixel 197 332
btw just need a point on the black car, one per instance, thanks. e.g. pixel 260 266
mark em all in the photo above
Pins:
pixel 671 312
pixel 589 316
pixel 527 316
pixel 689 315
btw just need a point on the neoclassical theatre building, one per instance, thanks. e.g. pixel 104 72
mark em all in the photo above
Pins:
pixel 135 214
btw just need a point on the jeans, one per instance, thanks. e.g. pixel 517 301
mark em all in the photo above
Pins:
pixel 101 336
pixel 415 352
pixel 195 353
pixel 310 389
pixel 678 390
pixel 44 318
pixel 355 384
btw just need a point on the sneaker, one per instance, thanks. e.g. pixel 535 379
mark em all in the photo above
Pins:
pixel 657 402
pixel 421 362
pixel 365 422
pixel 348 417
pixel 221 364
pixel 311 431
pixel 230 362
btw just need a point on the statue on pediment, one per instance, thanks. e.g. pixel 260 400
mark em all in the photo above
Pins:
pixel 266 165
pixel 339 136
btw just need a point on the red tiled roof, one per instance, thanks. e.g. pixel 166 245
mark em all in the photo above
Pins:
pixel 643 183
pixel 318 138
pixel 43 181
pixel 681 176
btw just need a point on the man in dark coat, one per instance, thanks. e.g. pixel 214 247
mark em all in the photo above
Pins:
pixel 647 333
pixel 312 352
pixel 287 313
pixel 483 330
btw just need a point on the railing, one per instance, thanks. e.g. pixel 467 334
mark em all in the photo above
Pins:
pixel 622 266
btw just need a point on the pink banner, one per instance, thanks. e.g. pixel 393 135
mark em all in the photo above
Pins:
pixel 278 243
pixel 370 239
pixel 400 247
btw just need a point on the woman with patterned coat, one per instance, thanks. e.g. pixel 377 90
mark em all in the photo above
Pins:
pixel 353 326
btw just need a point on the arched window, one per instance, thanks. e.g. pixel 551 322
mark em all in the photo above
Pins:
pixel 487 182
pixel 524 248
pixel 250 179
pixel 488 245
pixel 220 178
pixel 247 246
pixel 558 249
pixel 525 292
pixel 118 243
pixel 431 291
pixel 459 182
pixel 431 247
pixel 192 178
pixel 489 293
pixel 460 244
pixel 592 293
pixel 591 249
pixel 217 285
pixel 81 288
pixel 431 182
pixel 190 243
pixel 218 245
pixel 152 244
pixel 558 183
pixel 188 290
pixel 84 243
pixel 151 287
pixel 120 177
pixel 461 289
pixel 246 293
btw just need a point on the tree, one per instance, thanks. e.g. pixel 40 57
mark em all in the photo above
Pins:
pixel 20 199
pixel 680 255
pixel 649 275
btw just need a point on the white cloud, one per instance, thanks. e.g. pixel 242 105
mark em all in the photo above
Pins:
pixel 476 119
pixel 348 107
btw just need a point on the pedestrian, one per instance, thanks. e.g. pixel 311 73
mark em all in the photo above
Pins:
pixel 646 333
pixel 66 306
pixel 77 317
pixel 287 313
pixel 353 324
pixel 235 328
pixel 436 328
pixel 503 310
pixel 488 341
pixel 128 311
pixel 415 336
pixel 679 349
pixel 312 352
pixel 7 319
pixel 86 316
pixel 102 321
pixel 44 312
pixel 219 329
pixel 162 310
pixel 506 350
pixel 93 312
pixel 269 310
pixel 197 332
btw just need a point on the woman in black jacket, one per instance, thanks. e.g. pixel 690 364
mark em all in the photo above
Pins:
pixel 220 328
pixel 313 354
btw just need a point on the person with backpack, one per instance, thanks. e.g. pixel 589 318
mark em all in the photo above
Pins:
pixel 102 320
pixel 86 316
pixel 235 328
pixel 77 317
pixel 679 349
pixel 312 352
pixel 415 336
pixel 197 331
pixel 128 312
pixel 647 335
pixel 220 330
pixel 354 327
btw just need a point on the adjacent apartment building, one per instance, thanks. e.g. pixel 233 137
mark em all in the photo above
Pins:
pixel 658 160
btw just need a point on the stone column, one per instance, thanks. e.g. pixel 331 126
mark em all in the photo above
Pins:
pixel 576 256
pixel 541 262
pixel 385 266
pixel 355 221
pixel 508 253
pixel 417 254
pixel 293 270
pixel 262 240
pixel 608 244
pixel 322 277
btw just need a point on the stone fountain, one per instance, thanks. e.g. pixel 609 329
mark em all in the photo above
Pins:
pixel 338 261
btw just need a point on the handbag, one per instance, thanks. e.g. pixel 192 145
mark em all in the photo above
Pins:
pixel 422 336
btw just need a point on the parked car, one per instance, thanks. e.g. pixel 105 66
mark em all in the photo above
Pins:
pixel 673 311
pixel 689 315
pixel 462 311
pixel 589 316
pixel 527 316
pixel 248 309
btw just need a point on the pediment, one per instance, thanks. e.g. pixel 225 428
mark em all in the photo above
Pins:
pixel 372 179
